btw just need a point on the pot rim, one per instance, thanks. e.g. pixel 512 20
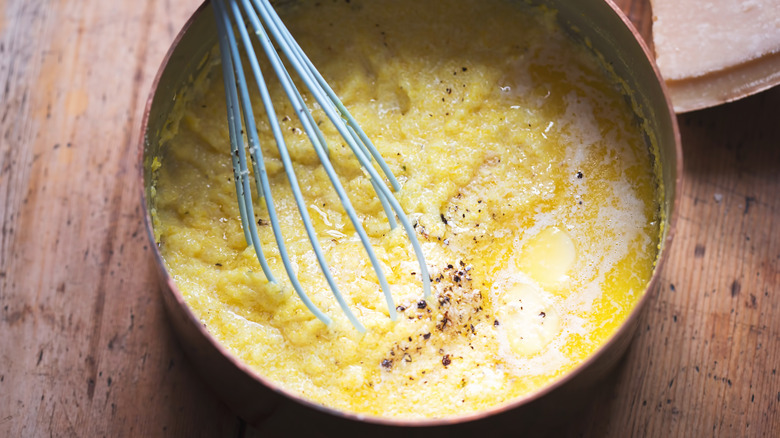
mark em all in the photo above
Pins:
pixel 652 285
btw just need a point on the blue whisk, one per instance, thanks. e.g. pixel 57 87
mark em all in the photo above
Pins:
pixel 264 21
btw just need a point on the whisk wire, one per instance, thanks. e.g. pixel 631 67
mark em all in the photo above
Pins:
pixel 261 179
pixel 306 69
pixel 238 155
pixel 345 124
pixel 310 128
pixel 328 100
pixel 287 164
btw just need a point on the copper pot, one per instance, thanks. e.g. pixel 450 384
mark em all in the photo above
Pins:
pixel 598 22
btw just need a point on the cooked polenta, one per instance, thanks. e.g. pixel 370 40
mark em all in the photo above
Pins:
pixel 522 167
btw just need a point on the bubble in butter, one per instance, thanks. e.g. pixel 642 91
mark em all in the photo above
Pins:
pixel 522 168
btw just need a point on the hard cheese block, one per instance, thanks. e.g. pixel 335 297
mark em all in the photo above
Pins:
pixel 716 51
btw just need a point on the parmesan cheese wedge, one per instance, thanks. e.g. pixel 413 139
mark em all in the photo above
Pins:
pixel 716 51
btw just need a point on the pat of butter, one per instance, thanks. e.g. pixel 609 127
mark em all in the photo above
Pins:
pixel 528 318
pixel 548 256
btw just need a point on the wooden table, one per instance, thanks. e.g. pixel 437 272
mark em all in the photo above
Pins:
pixel 85 347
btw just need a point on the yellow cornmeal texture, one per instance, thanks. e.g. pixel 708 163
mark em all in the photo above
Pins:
pixel 520 164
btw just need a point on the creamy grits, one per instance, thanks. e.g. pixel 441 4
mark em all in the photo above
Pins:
pixel 522 167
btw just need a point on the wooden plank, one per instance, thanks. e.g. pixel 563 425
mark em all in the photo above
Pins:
pixel 85 348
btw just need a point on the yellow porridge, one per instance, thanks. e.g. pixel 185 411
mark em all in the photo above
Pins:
pixel 522 167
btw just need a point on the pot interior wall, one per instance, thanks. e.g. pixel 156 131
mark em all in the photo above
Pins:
pixel 594 22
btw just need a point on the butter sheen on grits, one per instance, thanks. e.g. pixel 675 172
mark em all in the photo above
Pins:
pixel 521 165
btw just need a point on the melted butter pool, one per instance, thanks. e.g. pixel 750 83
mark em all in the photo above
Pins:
pixel 521 165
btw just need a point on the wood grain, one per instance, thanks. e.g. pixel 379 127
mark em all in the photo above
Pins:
pixel 85 348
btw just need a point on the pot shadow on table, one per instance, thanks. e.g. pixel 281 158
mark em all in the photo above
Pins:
pixel 573 413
